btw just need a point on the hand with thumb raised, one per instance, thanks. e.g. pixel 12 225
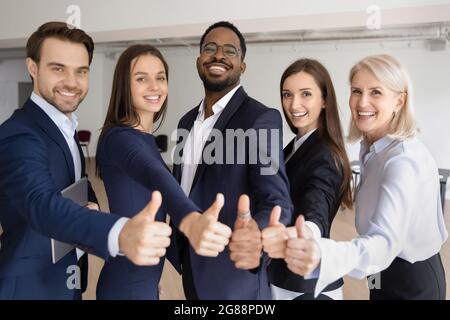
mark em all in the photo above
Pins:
pixel 274 237
pixel 142 239
pixel 246 245
pixel 207 236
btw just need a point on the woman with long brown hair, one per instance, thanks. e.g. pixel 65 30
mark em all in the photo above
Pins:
pixel 131 167
pixel 318 170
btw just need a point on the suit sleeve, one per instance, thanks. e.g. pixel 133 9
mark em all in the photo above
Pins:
pixel 126 150
pixel 268 180
pixel 25 179
pixel 321 193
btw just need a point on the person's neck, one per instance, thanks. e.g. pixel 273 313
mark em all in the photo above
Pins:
pixel 212 97
pixel 67 114
pixel 146 122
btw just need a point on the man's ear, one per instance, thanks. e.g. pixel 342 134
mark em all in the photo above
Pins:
pixel 243 67
pixel 32 67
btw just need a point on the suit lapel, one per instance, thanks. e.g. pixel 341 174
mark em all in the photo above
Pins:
pixel 288 149
pixel 233 105
pixel 52 131
pixel 302 151
pixel 186 124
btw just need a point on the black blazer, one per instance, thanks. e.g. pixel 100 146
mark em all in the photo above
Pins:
pixel 315 181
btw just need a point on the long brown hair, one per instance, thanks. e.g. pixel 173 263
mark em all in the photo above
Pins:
pixel 121 111
pixel 329 121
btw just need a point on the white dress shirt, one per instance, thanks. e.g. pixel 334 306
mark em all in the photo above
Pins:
pixel 398 213
pixel 193 149
pixel 68 127
pixel 281 293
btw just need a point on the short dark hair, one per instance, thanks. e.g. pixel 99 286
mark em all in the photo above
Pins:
pixel 58 30
pixel 232 27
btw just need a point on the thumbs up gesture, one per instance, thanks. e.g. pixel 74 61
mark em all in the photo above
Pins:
pixel 144 240
pixel 302 253
pixel 274 237
pixel 207 236
pixel 246 245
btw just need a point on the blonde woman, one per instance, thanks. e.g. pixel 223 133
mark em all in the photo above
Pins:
pixel 398 212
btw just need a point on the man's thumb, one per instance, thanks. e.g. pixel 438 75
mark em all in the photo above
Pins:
pixel 217 205
pixel 150 210
pixel 300 227
pixel 243 212
pixel 275 216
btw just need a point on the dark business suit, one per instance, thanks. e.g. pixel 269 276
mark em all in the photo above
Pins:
pixel 217 278
pixel 131 168
pixel 35 166
pixel 315 181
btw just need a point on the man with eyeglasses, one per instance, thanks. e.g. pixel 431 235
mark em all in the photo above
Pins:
pixel 239 272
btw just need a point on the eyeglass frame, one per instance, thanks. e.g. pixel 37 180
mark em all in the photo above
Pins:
pixel 238 51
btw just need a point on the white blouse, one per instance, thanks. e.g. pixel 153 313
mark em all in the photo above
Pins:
pixel 398 213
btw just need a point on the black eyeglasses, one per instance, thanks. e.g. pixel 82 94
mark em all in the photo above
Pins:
pixel 228 49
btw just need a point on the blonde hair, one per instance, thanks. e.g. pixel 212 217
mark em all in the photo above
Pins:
pixel 390 72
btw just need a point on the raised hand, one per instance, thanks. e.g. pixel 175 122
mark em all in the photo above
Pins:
pixel 246 244
pixel 274 237
pixel 302 254
pixel 207 236
pixel 144 240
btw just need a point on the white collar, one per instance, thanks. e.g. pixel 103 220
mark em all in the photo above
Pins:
pixel 63 122
pixel 377 146
pixel 219 105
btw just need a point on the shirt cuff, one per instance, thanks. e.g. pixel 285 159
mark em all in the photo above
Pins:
pixel 113 237
pixel 314 229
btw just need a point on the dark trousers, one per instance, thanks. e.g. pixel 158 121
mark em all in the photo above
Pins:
pixel 422 280
pixel 188 280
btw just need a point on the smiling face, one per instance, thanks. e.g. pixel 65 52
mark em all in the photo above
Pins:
pixel 302 101
pixel 218 71
pixel 62 75
pixel 149 85
pixel 373 105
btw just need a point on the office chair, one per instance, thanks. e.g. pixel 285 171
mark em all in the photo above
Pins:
pixel 84 136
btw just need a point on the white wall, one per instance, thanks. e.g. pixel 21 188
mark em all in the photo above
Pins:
pixel 11 73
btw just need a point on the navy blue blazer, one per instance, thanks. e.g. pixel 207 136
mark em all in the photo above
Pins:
pixel 132 168
pixel 217 278
pixel 315 181
pixel 35 166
